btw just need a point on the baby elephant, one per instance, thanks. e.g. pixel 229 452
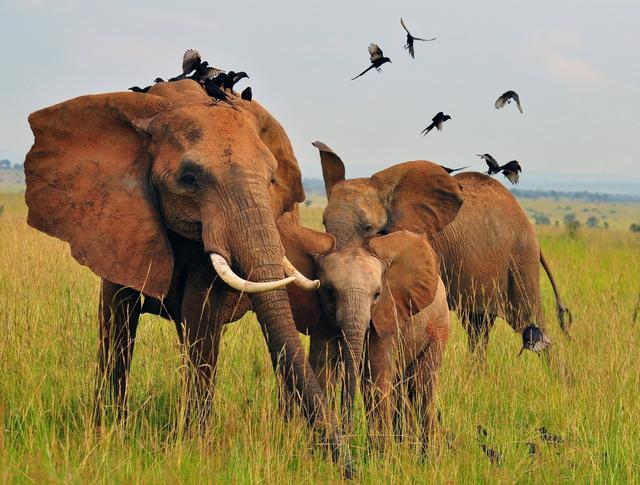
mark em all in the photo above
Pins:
pixel 387 292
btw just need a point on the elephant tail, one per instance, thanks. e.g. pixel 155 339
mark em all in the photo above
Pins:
pixel 564 315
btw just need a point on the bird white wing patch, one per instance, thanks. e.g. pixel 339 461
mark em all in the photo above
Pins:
pixel 374 52
pixel 190 60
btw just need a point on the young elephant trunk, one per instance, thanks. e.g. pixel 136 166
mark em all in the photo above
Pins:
pixel 353 331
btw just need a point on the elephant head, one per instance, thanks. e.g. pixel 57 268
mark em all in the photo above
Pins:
pixel 113 174
pixel 418 196
pixel 380 285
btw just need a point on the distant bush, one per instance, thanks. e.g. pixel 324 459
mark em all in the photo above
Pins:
pixel 542 219
pixel 1 209
pixel 307 202
pixel 635 227
pixel 592 222
pixel 571 224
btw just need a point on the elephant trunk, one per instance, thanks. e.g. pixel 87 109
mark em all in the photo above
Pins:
pixel 354 328
pixel 251 243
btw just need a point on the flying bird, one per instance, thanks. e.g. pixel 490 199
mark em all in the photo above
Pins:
pixel 192 63
pixel 510 170
pixel 451 170
pixel 247 94
pixel 534 339
pixel 377 59
pixel 437 122
pixel 506 99
pixel 218 94
pixel 410 39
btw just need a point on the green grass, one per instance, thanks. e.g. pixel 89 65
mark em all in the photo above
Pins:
pixel 48 306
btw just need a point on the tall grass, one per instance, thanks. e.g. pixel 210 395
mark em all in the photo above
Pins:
pixel 48 335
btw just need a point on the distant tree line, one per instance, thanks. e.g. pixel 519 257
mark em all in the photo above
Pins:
pixel 7 165
pixel 583 195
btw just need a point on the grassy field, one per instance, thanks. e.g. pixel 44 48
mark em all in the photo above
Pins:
pixel 48 306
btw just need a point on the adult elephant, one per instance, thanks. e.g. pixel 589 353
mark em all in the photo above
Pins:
pixel 489 255
pixel 159 194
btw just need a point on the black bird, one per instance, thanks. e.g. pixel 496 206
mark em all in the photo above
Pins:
pixel 216 93
pixel 232 78
pixel 533 449
pixel 437 120
pixel 158 80
pixel 192 63
pixel 510 170
pixel 377 59
pixel 451 170
pixel 220 79
pixel 506 99
pixel 494 166
pixel 247 94
pixel 545 435
pixel 410 39
pixel 138 89
pixel 494 456
pixel 534 339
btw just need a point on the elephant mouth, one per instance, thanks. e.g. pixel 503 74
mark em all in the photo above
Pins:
pixel 236 282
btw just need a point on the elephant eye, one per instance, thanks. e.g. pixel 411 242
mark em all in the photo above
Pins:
pixel 367 228
pixel 189 180
pixel 273 180
pixel 376 295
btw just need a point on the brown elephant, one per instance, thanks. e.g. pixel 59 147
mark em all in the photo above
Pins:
pixel 388 289
pixel 159 194
pixel 489 255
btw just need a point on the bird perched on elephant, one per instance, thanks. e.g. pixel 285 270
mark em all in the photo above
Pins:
pixel 386 296
pixel 173 203
pixel 489 255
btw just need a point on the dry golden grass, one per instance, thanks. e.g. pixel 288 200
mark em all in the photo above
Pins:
pixel 48 330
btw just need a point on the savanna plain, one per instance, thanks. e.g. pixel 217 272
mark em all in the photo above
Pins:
pixel 588 395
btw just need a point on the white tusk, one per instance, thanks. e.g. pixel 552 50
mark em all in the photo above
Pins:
pixel 300 280
pixel 234 281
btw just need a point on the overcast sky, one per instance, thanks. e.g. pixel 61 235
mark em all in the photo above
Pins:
pixel 574 63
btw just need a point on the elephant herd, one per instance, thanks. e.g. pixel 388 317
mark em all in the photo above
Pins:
pixel 189 210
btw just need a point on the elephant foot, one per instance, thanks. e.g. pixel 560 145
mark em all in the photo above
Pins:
pixel 534 339
pixel 341 455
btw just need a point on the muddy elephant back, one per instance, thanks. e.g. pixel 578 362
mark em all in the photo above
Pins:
pixel 478 249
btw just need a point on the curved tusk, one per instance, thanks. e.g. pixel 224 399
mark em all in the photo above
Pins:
pixel 234 281
pixel 300 280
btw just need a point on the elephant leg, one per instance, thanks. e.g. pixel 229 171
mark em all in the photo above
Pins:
pixel 378 389
pixel 524 306
pixel 118 320
pixel 204 311
pixel 324 357
pixel 478 327
pixel 422 382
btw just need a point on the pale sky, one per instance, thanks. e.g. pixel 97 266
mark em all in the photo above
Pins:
pixel 574 64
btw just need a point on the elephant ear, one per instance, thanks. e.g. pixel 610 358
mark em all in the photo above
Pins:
pixel 410 281
pixel 332 166
pixel 87 179
pixel 286 186
pixel 302 247
pixel 422 196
